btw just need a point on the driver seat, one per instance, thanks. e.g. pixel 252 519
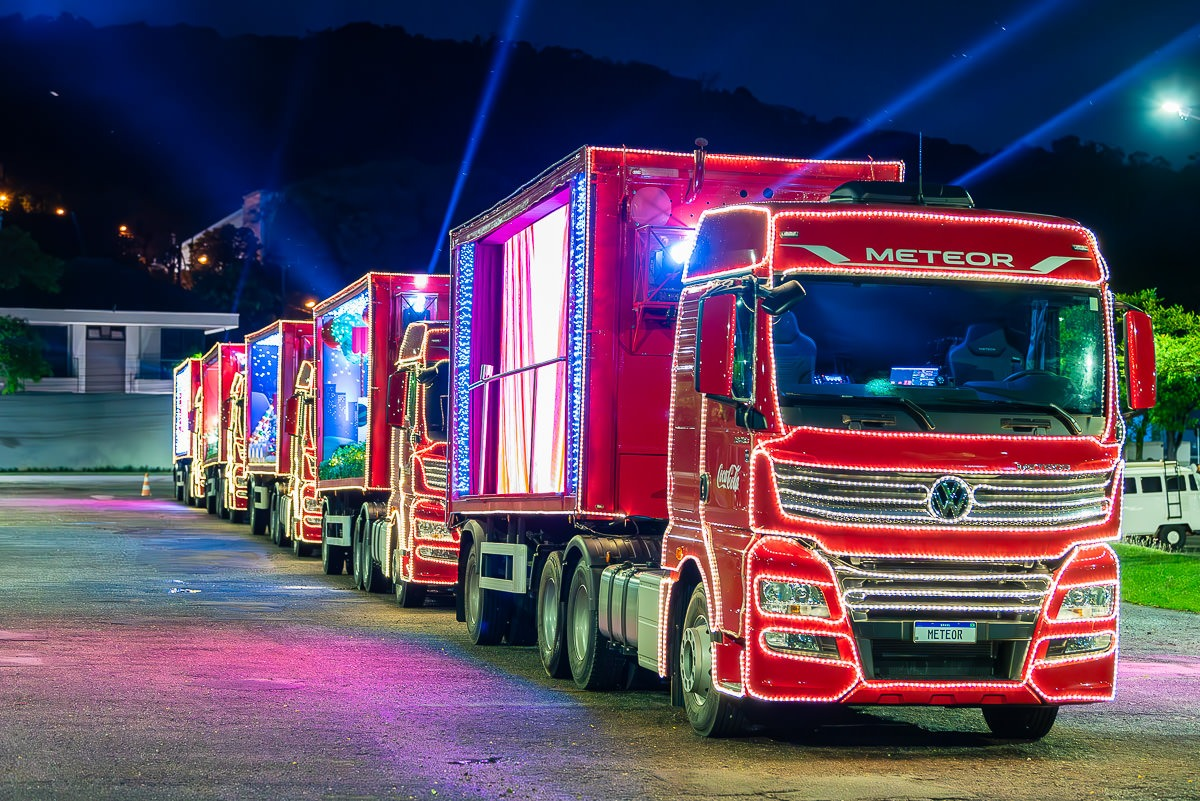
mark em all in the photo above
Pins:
pixel 795 354
pixel 984 355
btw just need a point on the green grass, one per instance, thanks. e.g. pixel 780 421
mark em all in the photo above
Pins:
pixel 1156 578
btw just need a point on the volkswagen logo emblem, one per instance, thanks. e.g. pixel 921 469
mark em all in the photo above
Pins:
pixel 950 499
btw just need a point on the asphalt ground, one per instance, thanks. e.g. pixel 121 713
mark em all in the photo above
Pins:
pixel 151 651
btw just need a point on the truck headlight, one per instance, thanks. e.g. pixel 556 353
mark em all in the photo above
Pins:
pixel 805 644
pixel 792 598
pixel 1081 603
pixel 1077 646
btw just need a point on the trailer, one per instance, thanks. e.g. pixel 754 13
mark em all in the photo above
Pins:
pixel 861 446
pixel 273 358
pixel 185 385
pixel 221 480
pixel 340 420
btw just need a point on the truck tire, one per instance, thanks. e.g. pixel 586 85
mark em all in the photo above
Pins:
pixel 333 558
pixel 551 616
pixel 594 665
pixel 222 510
pixel 373 579
pixel 210 495
pixel 1173 538
pixel 711 713
pixel 486 610
pixel 180 478
pixel 259 518
pixel 275 526
pixel 301 548
pixel 1020 722
pixel 408 594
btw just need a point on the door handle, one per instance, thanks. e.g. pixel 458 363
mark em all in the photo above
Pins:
pixel 704 487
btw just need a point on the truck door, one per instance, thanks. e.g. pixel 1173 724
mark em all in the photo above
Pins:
pixel 725 446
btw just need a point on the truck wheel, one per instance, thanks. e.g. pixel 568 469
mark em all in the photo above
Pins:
pixel 485 609
pixel 333 558
pixel 301 548
pixel 1173 538
pixel 372 572
pixel 712 714
pixel 1020 722
pixel 275 524
pixel 222 510
pixel 259 518
pixel 408 594
pixel 594 665
pixel 552 618
pixel 210 495
pixel 180 483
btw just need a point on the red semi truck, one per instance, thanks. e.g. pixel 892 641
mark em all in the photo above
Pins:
pixel 220 480
pixel 340 419
pixel 862 446
pixel 185 385
pixel 273 358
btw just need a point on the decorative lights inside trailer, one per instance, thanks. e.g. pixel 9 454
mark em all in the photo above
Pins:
pixel 262 399
pixel 577 314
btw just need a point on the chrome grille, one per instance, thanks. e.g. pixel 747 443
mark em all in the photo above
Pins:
pixel 1008 500
pixel 885 588
pixel 435 474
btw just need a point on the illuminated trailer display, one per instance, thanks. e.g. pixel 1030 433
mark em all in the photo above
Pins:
pixel 274 355
pixel 221 480
pixel 185 386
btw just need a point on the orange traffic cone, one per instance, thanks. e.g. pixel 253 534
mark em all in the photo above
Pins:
pixel 146 486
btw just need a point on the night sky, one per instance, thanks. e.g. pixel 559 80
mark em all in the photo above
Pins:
pixel 981 73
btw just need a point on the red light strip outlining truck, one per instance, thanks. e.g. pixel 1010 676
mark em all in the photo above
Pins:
pixel 865 448
pixel 340 419
pixel 221 479
pixel 273 358
pixel 185 385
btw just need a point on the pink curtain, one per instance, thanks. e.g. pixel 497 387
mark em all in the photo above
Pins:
pixel 532 441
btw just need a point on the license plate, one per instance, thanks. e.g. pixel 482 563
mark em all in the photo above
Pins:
pixel 944 631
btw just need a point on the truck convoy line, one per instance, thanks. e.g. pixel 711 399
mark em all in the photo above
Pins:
pixel 861 446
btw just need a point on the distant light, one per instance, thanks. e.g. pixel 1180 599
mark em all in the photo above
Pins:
pixel 1178 109
pixel 421 280
pixel 681 251
pixel 308 304
pixel 203 259
pixel 60 211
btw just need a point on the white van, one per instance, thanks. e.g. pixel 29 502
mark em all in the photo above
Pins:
pixel 1162 503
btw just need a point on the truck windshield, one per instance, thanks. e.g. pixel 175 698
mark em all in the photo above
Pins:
pixel 949 356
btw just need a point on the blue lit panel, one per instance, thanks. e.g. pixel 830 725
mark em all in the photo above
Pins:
pixel 461 378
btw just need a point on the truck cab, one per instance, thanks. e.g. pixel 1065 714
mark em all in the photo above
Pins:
pixel 895 458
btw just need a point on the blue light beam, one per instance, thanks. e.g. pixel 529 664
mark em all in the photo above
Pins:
pixel 1180 42
pixel 957 68
pixel 490 89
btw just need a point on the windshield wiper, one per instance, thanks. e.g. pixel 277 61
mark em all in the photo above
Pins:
pixel 1053 408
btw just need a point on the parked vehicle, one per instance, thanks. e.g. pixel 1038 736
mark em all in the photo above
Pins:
pixel 861 447
pixel 221 479
pixel 1161 504
pixel 273 358
pixel 185 386
pixel 345 494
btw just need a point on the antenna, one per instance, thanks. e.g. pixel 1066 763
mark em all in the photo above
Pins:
pixel 921 167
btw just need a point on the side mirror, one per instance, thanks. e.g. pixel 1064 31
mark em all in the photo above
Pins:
pixel 1139 360
pixel 291 415
pixel 715 334
pixel 397 398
